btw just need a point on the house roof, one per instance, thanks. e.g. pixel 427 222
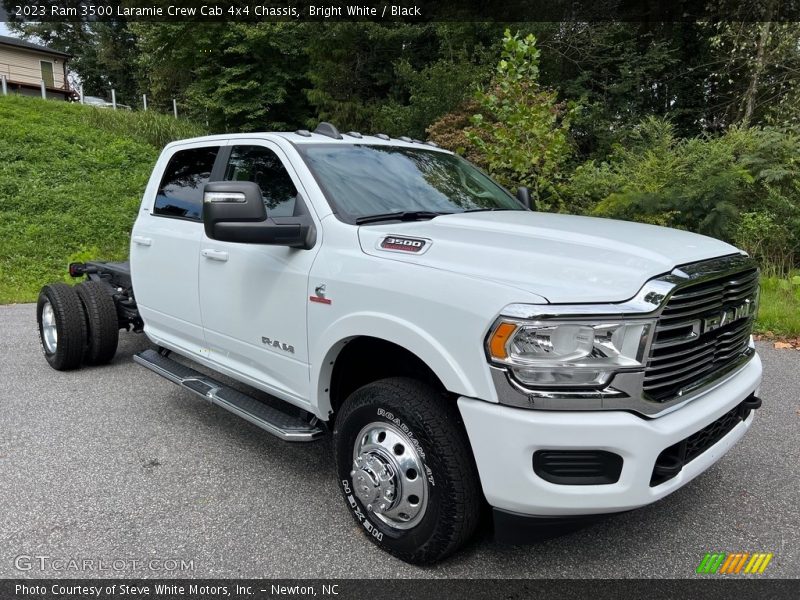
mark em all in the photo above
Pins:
pixel 18 43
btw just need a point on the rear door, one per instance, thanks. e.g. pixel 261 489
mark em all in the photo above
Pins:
pixel 254 297
pixel 165 248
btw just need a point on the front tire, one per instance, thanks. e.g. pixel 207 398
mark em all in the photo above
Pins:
pixel 406 470
pixel 62 328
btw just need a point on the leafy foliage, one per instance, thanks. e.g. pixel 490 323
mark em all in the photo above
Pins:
pixel 393 78
pixel 521 131
pixel 232 76
pixel 740 186
pixel 432 91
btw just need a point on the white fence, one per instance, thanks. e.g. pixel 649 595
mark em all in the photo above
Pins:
pixel 4 81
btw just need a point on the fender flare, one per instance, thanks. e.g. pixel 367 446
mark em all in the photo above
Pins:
pixel 391 329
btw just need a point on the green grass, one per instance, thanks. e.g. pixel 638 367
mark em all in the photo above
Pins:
pixel 71 178
pixel 779 313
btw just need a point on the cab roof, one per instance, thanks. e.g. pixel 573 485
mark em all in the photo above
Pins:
pixel 325 134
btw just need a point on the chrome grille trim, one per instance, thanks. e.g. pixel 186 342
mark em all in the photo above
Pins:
pixel 688 309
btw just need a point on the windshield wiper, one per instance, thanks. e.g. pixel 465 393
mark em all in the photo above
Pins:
pixel 494 208
pixel 404 215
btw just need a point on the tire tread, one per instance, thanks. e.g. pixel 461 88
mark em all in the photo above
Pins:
pixel 70 323
pixel 101 320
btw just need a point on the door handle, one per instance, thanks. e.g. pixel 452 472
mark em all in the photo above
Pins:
pixel 142 241
pixel 214 254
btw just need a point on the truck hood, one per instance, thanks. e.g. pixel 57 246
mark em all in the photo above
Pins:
pixel 563 258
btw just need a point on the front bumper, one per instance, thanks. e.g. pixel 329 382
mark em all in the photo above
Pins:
pixel 504 439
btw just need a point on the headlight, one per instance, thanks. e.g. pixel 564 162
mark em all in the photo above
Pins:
pixel 568 353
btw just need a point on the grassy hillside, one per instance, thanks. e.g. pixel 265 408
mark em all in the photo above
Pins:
pixel 71 178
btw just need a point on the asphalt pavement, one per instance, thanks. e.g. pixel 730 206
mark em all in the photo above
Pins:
pixel 116 465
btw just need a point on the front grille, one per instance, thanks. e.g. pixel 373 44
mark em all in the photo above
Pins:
pixel 703 328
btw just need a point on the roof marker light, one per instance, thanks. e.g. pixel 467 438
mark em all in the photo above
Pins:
pixel 328 129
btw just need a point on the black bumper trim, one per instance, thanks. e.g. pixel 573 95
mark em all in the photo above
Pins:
pixel 517 528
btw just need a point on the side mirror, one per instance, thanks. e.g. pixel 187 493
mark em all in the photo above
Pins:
pixel 524 197
pixel 234 211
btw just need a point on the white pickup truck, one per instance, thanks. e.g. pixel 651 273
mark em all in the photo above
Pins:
pixel 465 353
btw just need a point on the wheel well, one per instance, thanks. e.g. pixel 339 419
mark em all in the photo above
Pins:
pixel 367 359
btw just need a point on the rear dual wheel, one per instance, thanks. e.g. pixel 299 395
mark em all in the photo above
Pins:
pixel 62 326
pixel 77 324
pixel 102 325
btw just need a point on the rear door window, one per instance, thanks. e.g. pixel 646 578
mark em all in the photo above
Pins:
pixel 180 193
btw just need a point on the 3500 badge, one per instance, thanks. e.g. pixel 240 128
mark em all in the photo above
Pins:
pixel 402 244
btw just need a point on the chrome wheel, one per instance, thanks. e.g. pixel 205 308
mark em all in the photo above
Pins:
pixel 49 330
pixel 388 475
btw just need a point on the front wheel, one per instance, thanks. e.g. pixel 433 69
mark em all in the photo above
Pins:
pixel 406 469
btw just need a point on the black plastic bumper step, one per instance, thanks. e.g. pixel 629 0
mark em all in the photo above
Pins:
pixel 287 427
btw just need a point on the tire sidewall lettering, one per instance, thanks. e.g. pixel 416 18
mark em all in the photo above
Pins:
pixel 359 514
pixel 397 422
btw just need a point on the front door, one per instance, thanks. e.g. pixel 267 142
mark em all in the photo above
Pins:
pixel 253 296
pixel 47 74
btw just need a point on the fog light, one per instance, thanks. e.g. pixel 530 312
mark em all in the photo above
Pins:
pixel 577 467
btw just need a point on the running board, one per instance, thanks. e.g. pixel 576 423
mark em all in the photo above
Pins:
pixel 273 420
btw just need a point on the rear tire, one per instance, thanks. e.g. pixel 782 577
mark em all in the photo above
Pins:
pixel 101 321
pixel 62 326
pixel 406 470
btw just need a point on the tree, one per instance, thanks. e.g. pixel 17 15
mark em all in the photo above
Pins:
pixel 622 72
pixel 234 76
pixel 521 130
pixel 758 71
pixel 394 78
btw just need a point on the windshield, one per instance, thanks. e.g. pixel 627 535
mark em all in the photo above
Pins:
pixel 362 181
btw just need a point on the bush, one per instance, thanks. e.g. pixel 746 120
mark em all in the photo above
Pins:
pixel 763 237
pixel 518 131
pixel 740 186
pixel 450 131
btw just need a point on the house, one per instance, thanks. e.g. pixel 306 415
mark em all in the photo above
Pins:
pixel 25 65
